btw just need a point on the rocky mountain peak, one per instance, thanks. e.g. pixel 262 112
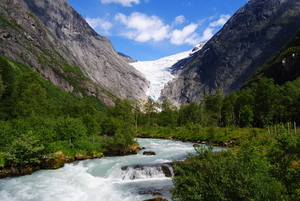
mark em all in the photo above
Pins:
pixel 50 36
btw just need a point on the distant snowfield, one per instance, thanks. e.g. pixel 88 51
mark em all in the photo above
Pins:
pixel 158 72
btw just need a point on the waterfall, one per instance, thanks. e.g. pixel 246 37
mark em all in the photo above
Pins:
pixel 133 172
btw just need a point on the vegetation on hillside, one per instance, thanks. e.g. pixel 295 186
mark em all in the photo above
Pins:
pixel 38 119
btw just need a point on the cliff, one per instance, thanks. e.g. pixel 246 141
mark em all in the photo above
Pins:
pixel 254 34
pixel 53 39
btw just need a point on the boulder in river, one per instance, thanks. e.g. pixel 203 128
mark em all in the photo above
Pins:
pixel 149 153
pixel 157 199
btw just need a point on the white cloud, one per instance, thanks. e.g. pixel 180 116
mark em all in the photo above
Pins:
pixel 126 3
pixel 186 35
pixel 99 23
pixel 207 34
pixel 179 20
pixel 223 19
pixel 143 28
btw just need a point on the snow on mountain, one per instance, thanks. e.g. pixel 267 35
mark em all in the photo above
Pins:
pixel 158 72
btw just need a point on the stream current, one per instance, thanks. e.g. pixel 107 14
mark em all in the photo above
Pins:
pixel 125 178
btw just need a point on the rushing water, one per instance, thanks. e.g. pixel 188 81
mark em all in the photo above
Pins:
pixel 127 178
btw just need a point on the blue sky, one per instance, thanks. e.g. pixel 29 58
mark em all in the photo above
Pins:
pixel 151 29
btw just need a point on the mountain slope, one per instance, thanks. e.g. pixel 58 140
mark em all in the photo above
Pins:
pixel 255 33
pixel 285 66
pixel 52 38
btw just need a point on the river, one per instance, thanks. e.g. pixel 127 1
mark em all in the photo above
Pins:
pixel 126 178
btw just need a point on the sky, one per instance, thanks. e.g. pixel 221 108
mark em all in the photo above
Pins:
pixel 147 30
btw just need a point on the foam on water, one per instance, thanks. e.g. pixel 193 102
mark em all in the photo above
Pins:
pixel 97 179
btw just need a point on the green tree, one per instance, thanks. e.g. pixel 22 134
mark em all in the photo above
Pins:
pixel 168 114
pixel 30 96
pixel 8 77
pixel 91 124
pixel 150 107
pixel 110 125
pixel 285 160
pixel 5 134
pixel 226 176
pixel 70 129
pixel 190 114
pixel 213 104
pixel 23 150
pixel 136 108
pixel 246 116
pixel 266 100
pixel 124 136
pixel 228 115
pixel 32 101
pixel 244 106
pixel 1 85
pixel 122 110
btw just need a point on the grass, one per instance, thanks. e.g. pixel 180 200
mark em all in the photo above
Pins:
pixel 195 133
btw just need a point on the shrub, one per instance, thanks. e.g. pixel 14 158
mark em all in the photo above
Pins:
pixel 24 150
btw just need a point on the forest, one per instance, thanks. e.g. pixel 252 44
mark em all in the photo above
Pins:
pixel 38 119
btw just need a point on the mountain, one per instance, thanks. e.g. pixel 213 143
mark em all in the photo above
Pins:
pixel 285 66
pixel 53 39
pixel 127 58
pixel 254 34
pixel 159 72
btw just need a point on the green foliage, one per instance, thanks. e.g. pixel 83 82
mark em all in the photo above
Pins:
pixel 68 128
pixel 122 110
pixel 169 114
pixel 24 150
pixel 124 136
pixel 109 126
pixel 91 124
pixel 2 87
pixel 226 176
pixel 285 157
pixel 5 134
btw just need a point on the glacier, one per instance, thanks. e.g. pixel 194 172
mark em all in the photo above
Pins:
pixel 158 72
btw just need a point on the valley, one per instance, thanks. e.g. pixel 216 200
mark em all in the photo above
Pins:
pixel 67 97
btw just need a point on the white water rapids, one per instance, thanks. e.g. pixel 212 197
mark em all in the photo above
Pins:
pixel 127 178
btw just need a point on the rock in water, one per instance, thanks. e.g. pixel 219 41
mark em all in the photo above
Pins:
pixel 149 153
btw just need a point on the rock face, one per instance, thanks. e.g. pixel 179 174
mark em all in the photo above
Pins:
pixel 254 34
pixel 52 38
pixel 283 67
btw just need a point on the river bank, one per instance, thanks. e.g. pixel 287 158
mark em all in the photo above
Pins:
pixel 132 177
pixel 59 160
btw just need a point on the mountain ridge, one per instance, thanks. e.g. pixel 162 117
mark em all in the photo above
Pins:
pixel 51 37
pixel 255 33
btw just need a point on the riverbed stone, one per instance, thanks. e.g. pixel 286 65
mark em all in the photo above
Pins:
pixel 157 199
pixel 149 153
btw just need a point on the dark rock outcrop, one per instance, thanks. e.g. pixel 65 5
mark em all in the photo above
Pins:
pixel 254 34
pixel 285 66
pixel 150 153
pixel 122 152
pixel 157 199
pixel 53 39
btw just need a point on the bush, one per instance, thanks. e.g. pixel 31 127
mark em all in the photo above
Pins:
pixel 68 128
pixel 24 150
pixel 226 176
